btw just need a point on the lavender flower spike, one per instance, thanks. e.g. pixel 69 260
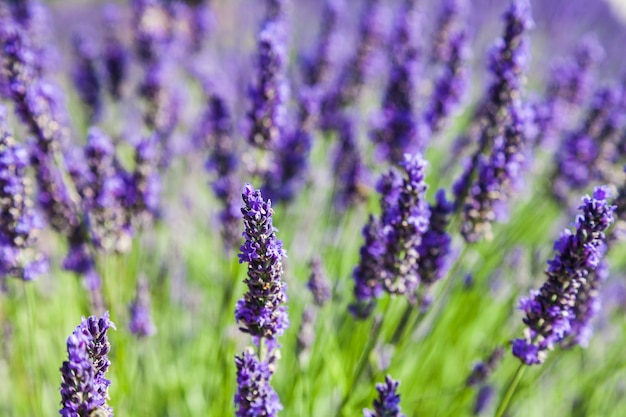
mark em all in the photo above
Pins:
pixel 84 388
pixel 554 313
pixel 434 250
pixel 318 283
pixel 255 396
pixel 269 96
pixel 141 323
pixel 405 219
pixel 388 402
pixel 261 312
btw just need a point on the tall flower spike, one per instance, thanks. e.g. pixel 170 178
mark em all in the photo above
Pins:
pixel 84 388
pixel 19 223
pixel 555 312
pixel 318 283
pixel 141 323
pixel 86 77
pixel 498 177
pixel 348 167
pixel 261 312
pixel 399 131
pixel 115 54
pixel 434 250
pixel 506 62
pixel 404 220
pixel 317 69
pixel 388 402
pixel 268 98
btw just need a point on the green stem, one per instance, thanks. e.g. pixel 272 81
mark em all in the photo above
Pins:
pixel 360 367
pixel 504 403
pixel 34 352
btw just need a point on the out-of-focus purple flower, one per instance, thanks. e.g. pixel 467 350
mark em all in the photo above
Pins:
pixel 450 85
pixel 318 283
pixel 162 102
pixel 104 194
pixel 560 308
pixel 84 387
pixel 483 399
pixel 348 167
pixel 579 154
pixel 404 222
pixel 498 177
pixel 268 97
pixel 114 54
pixel 86 77
pixel 435 247
pixel 446 30
pixel 388 402
pixel 261 312
pixel 152 31
pixel 317 69
pixel 19 224
pixel 368 273
pixel 351 79
pixel 141 323
pixel 215 131
pixel 306 334
pixel 483 369
pixel 507 61
pixel 143 186
pixel 398 132
pixel 255 396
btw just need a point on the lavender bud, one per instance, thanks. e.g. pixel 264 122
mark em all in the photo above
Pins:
pixel 482 370
pixel 483 399
pixel 141 323
pixel 115 54
pixel 348 167
pixel 318 283
pixel 388 402
pixel 261 312
pixel 85 76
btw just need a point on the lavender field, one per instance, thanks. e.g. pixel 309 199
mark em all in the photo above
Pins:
pixel 374 208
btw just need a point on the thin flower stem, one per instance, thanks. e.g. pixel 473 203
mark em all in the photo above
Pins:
pixel 34 352
pixel 504 403
pixel 360 367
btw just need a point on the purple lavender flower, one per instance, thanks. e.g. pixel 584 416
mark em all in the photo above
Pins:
pixel 447 22
pixel 318 283
pixel 269 96
pixel 104 194
pixel 434 250
pixel 261 312
pixel 19 223
pixel 388 402
pixel 215 131
pixel 559 309
pixel 399 133
pixel 348 167
pixel 115 54
pixel 404 220
pixel 577 160
pixel 255 396
pixel 498 177
pixel 143 186
pixel 507 62
pixel 450 85
pixel 152 31
pixel 85 75
pixel 352 76
pixel 84 388
pixel 306 334
pixel 317 69
pixel 483 369
pixel 483 399
pixel 141 323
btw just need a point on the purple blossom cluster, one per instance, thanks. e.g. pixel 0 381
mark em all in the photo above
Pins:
pixel 389 257
pixel 141 323
pixel 561 309
pixel 84 387
pixel 19 223
pixel 388 402
pixel 261 313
